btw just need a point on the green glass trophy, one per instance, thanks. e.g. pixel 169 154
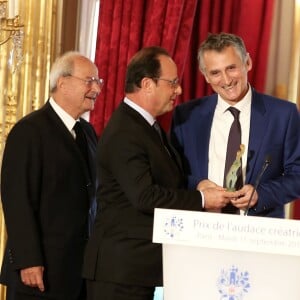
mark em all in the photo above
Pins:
pixel 231 176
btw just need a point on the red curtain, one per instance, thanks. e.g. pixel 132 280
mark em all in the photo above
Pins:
pixel 179 26
pixel 126 26
pixel 295 210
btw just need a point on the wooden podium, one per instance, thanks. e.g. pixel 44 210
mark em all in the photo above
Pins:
pixel 218 256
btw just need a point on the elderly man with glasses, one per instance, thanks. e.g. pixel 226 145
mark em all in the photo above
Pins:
pixel 48 185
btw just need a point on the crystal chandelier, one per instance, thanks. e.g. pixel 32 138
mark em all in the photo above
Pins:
pixel 12 29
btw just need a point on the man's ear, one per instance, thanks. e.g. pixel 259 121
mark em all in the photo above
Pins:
pixel 147 84
pixel 249 62
pixel 60 82
pixel 206 77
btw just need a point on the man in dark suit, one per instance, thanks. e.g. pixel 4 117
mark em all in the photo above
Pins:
pixel 138 171
pixel 270 130
pixel 48 187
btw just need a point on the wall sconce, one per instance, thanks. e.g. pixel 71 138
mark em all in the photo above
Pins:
pixel 12 29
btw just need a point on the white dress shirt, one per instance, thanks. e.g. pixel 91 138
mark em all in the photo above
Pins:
pixel 221 124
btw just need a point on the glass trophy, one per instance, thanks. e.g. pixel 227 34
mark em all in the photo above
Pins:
pixel 232 174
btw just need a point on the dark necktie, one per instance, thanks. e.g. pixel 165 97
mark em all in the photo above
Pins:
pixel 164 140
pixel 167 145
pixel 158 129
pixel 233 145
pixel 80 140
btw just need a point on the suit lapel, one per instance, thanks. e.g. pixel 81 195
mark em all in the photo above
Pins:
pixel 259 123
pixel 203 128
pixel 152 134
pixel 67 138
pixel 175 155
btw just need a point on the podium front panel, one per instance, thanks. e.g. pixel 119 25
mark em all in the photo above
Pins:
pixel 195 273
pixel 228 257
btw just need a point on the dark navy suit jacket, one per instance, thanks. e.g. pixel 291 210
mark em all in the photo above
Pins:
pixel 274 131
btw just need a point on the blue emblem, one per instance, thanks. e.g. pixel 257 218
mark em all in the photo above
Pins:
pixel 173 226
pixel 233 284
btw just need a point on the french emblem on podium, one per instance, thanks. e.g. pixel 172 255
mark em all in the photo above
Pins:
pixel 233 284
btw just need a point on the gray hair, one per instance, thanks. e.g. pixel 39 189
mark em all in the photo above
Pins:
pixel 63 66
pixel 218 42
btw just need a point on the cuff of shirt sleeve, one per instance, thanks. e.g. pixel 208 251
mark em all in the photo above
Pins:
pixel 203 199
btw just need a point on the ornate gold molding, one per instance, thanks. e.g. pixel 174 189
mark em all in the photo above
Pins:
pixel 26 90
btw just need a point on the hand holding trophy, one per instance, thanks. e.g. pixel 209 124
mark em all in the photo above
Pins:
pixel 232 174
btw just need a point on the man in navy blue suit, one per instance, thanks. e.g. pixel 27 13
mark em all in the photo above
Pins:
pixel 270 127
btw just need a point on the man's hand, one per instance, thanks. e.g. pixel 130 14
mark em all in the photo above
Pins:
pixel 243 198
pixel 216 197
pixel 206 183
pixel 33 277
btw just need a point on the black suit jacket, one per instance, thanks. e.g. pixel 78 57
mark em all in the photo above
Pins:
pixel 136 174
pixel 46 190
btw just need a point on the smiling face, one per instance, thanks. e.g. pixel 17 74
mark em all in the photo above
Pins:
pixel 77 91
pixel 82 93
pixel 227 73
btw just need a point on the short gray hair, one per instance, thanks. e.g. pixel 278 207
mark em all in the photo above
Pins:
pixel 63 66
pixel 218 42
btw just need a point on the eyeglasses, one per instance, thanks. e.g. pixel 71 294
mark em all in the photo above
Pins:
pixel 89 82
pixel 173 83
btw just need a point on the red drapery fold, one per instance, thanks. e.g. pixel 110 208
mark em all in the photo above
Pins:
pixel 295 210
pixel 126 26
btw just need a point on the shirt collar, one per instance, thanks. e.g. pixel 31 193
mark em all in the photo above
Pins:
pixel 148 117
pixel 241 105
pixel 63 115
